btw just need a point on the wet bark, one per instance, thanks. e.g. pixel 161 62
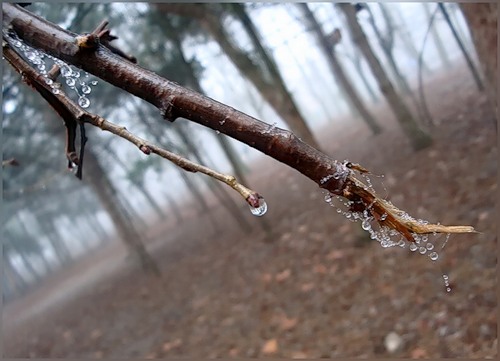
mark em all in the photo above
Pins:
pixel 418 138
pixel 273 89
pixel 483 21
pixel 194 83
pixel 175 101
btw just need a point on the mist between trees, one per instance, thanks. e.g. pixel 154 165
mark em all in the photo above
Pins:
pixel 300 67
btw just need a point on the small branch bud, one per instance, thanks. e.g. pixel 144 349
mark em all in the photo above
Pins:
pixel 145 149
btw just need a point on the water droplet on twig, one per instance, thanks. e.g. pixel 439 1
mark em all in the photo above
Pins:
pixel 261 209
pixel 83 102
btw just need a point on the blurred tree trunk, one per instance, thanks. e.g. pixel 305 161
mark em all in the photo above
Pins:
pixel 271 88
pixel 436 37
pixel 418 138
pixel 174 207
pixel 328 49
pixel 482 19
pixel 45 221
pixel 219 192
pixel 222 139
pixel 404 34
pixel 357 61
pixel 387 44
pixel 461 45
pixel 105 191
pixel 200 201
pixel 18 284
pixel 137 184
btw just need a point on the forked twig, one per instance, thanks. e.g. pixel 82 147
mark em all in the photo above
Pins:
pixel 68 108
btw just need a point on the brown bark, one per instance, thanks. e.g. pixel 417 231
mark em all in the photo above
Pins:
pixel 418 138
pixel 483 21
pixel 193 81
pixel 173 100
pixel 273 91
pixel 338 72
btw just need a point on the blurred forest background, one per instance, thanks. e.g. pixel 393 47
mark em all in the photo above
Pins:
pixel 301 281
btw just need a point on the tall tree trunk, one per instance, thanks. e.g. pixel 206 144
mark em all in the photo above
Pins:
pixel 418 138
pixel 443 55
pixel 482 19
pixel 107 195
pixel 274 93
pixel 387 44
pixel 359 67
pixel 338 72
pixel 405 35
pixel 219 192
pixel 19 284
pixel 461 45
pixel 174 207
pixel 137 184
pixel 193 82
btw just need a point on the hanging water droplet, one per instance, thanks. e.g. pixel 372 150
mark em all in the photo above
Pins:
pixel 56 91
pixel 422 250
pixel 66 71
pixel 366 225
pixel 17 43
pixel 401 243
pixel 86 89
pixel 328 198
pixel 70 81
pixel 413 247
pixel 446 283
pixel 83 102
pixel 383 217
pixel 31 55
pixel 49 81
pixel 93 82
pixel 429 246
pixel 217 132
pixel 339 210
pixel 433 256
pixel 41 66
pixel 261 209
pixel 76 74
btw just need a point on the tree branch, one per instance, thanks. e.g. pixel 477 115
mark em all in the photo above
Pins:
pixel 175 101
pixel 67 108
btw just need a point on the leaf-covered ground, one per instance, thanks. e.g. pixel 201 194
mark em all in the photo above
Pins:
pixel 316 287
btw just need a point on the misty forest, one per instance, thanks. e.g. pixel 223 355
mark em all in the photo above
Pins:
pixel 295 180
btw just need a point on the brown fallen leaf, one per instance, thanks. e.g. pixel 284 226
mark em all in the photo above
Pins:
pixel 418 353
pixel 283 275
pixel 270 347
pixel 320 268
pixel 286 324
pixel 306 287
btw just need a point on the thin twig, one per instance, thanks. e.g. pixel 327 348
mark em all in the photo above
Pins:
pixel 81 116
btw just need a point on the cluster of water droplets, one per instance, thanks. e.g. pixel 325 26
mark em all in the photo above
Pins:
pixel 42 62
pixel 423 243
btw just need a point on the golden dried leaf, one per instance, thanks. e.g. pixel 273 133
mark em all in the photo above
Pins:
pixel 270 347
